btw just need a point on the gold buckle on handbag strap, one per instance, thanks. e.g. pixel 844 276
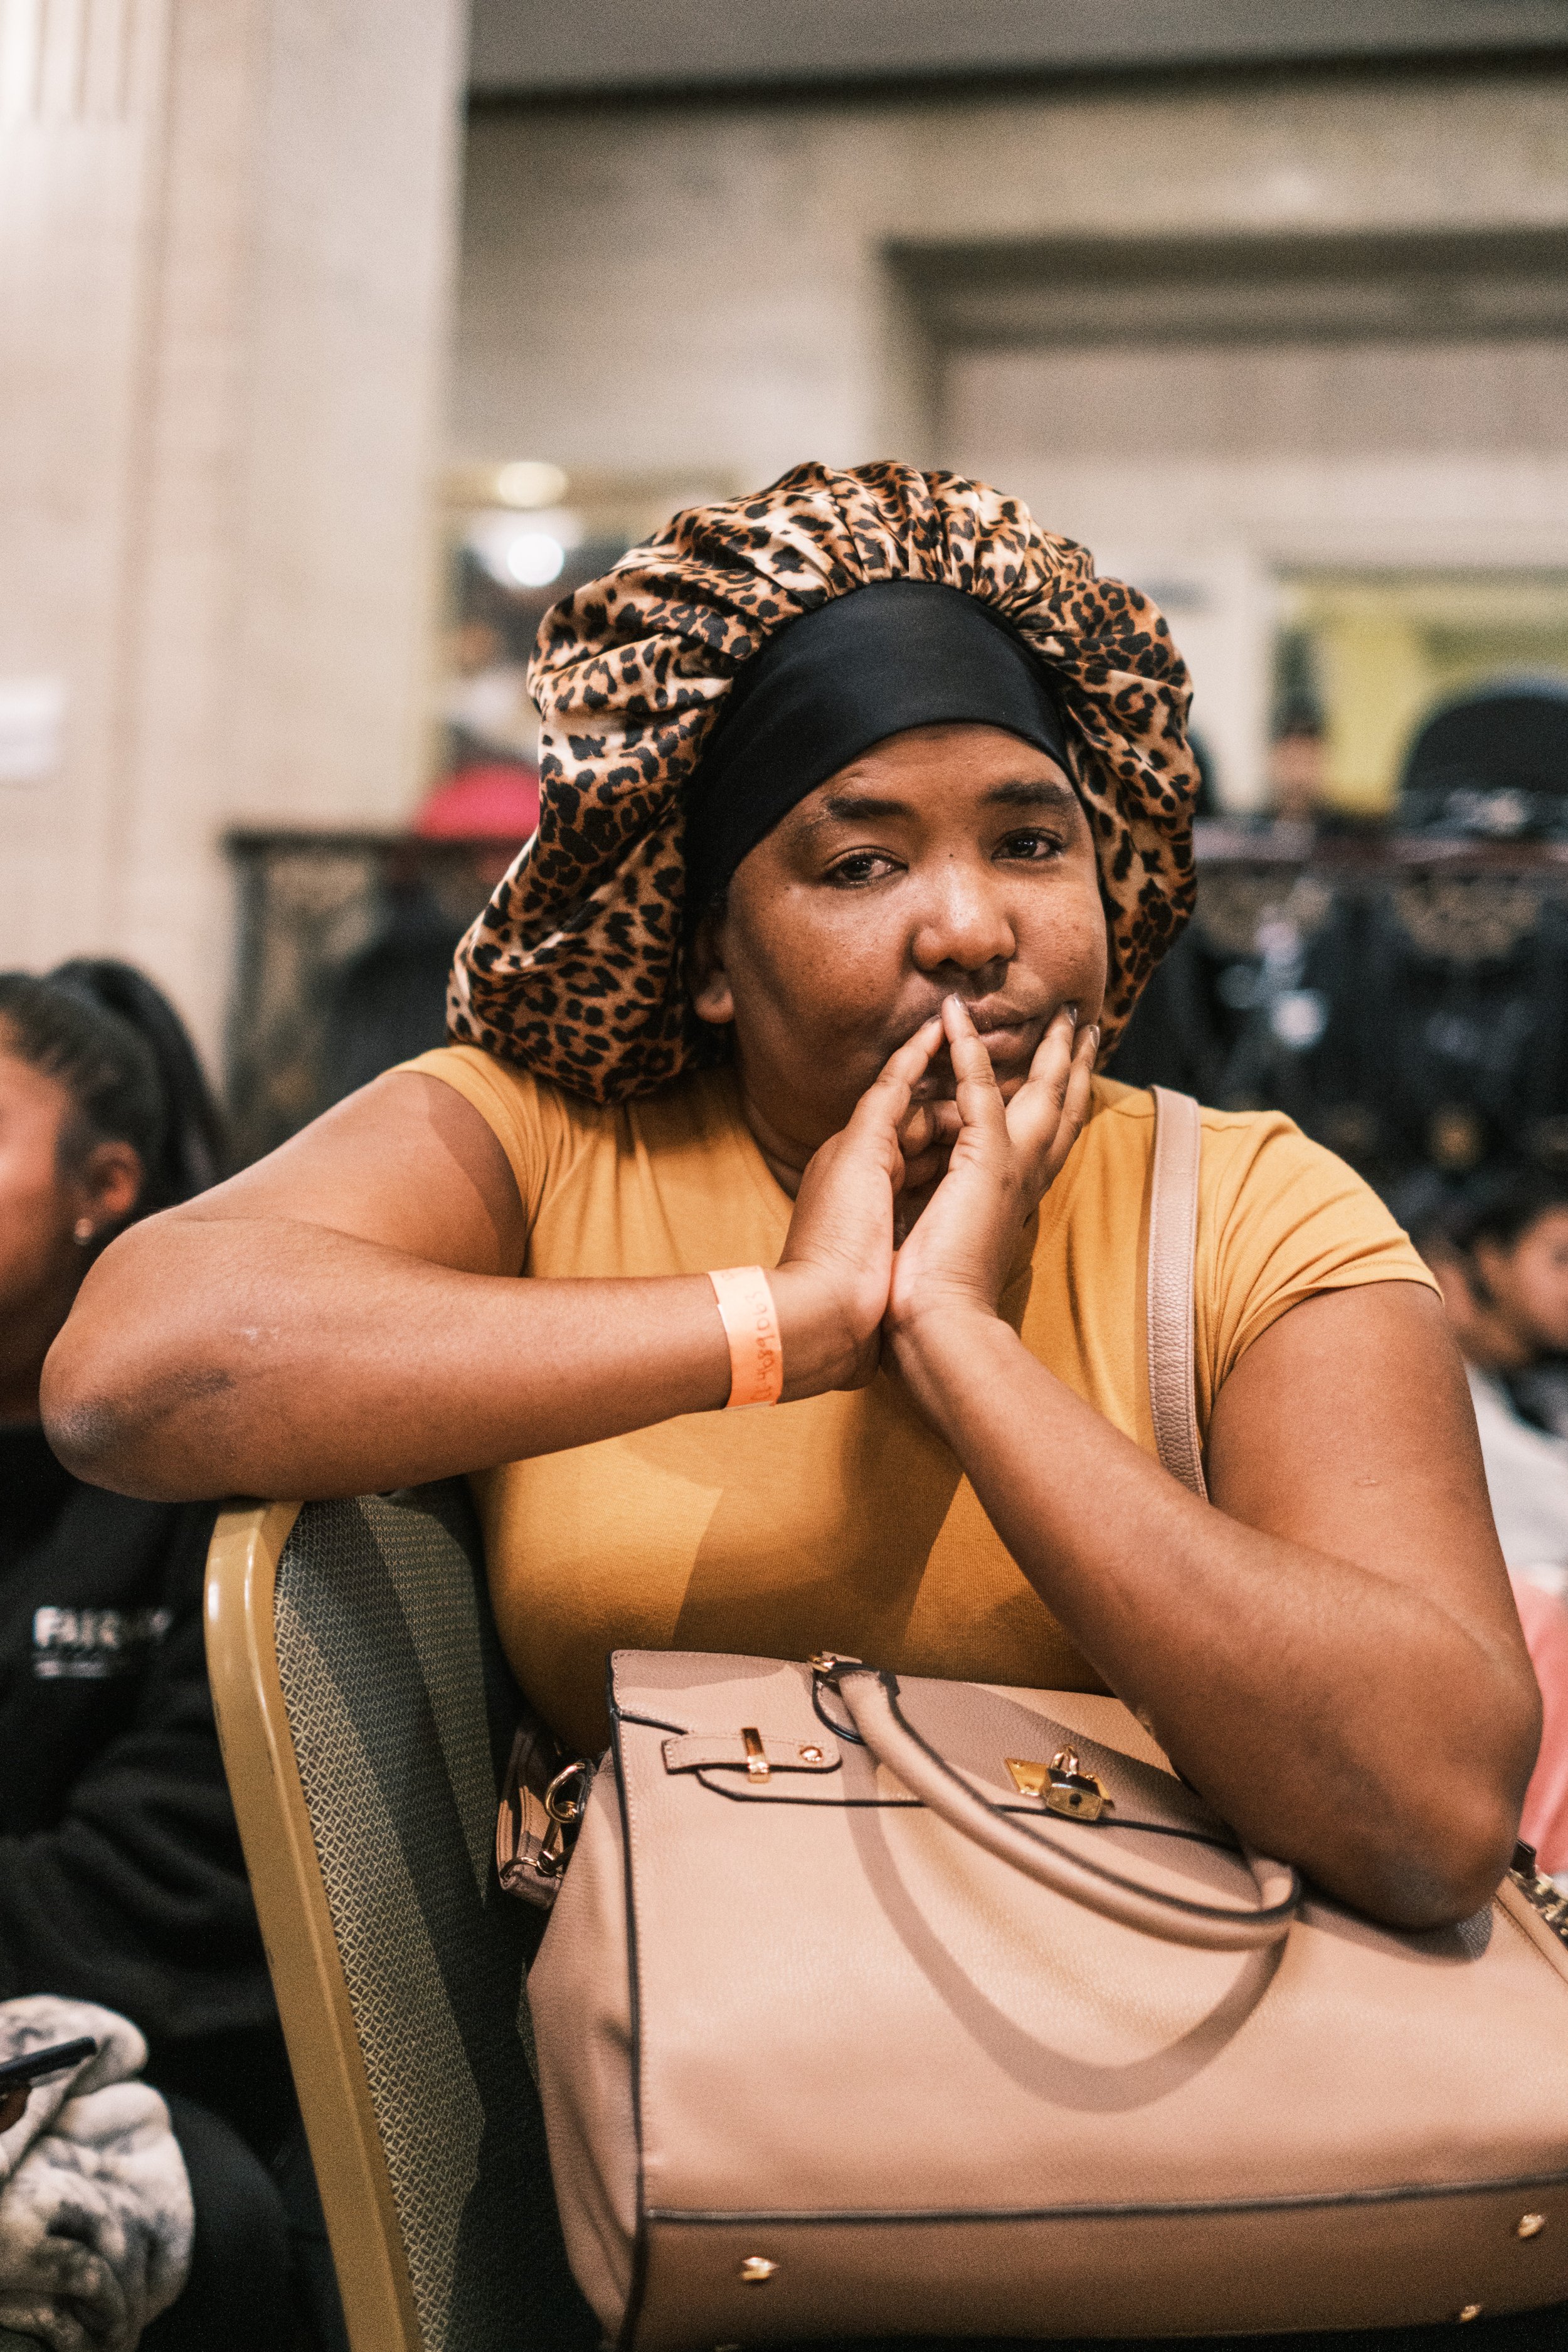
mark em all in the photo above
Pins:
pixel 540 1810
pixel 1062 1784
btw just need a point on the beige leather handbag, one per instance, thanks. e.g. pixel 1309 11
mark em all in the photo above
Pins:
pixel 879 2006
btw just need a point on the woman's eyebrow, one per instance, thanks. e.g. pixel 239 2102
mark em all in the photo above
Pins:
pixel 853 808
pixel 1031 794
pixel 856 808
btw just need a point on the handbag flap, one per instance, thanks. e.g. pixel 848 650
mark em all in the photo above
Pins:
pixel 982 1729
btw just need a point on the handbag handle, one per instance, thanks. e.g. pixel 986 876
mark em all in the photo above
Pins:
pixel 871 1696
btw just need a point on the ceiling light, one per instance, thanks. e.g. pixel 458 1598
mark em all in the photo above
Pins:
pixel 534 558
pixel 531 482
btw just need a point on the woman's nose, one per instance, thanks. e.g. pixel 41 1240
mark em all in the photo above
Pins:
pixel 963 921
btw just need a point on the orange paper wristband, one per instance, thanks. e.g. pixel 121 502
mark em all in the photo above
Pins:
pixel 751 1324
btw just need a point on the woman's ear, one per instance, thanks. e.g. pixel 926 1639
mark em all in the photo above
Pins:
pixel 109 1184
pixel 712 1000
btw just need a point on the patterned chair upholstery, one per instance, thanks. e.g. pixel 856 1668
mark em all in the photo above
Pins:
pixel 365 1711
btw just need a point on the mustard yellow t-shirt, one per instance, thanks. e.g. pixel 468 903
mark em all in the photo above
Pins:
pixel 841 1522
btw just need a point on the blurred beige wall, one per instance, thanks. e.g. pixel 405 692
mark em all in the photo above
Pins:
pixel 674 284
pixel 226 240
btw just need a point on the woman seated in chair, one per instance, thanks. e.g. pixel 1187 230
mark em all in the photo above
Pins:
pixel 866 816
pixel 121 1880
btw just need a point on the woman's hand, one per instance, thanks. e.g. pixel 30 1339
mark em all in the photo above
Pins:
pixel 1006 1157
pixel 831 1282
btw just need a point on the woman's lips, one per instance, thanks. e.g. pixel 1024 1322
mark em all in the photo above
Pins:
pixel 1008 1035
pixel 994 1012
pixel 1010 1041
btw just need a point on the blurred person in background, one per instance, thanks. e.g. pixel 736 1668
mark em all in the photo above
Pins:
pixel 1298 764
pixel 1296 777
pixel 1501 1257
pixel 489 715
pixel 121 1880
pixel 388 1001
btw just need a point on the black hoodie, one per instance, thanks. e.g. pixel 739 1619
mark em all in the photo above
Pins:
pixel 120 1875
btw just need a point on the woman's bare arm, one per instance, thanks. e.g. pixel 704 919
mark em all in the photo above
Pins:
pixel 331 1322
pixel 345 1316
pixel 1331 1651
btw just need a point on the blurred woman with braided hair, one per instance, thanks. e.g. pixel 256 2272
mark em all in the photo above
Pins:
pixel 121 1881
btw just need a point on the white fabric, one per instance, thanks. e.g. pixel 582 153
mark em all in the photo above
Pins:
pixel 1526 1479
pixel 94 2205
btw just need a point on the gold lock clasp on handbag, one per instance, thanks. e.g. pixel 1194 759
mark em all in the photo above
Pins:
pixel 1062 1785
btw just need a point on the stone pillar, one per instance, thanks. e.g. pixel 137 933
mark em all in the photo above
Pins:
pixel 226 231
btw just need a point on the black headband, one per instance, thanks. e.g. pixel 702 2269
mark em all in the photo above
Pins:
pixel 898 654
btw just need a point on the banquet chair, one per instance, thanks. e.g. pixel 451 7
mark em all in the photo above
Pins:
pixel 366 1710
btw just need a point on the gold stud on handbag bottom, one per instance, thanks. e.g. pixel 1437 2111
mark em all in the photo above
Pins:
pixel 756 2270
pixel 1529 2225
pixel 1468 2311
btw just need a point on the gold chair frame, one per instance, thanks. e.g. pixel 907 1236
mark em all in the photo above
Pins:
pixel 297 1928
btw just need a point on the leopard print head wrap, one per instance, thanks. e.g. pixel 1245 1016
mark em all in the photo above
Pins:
pixel 574 969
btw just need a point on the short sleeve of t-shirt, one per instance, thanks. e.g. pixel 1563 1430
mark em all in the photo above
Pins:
pixel 529 1122
pixel 1280 1220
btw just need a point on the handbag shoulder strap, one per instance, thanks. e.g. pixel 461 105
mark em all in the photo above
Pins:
pixel 1173 1248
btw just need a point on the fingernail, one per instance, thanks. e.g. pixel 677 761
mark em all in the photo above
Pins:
pixel 1072 1012
pixel 1094 1037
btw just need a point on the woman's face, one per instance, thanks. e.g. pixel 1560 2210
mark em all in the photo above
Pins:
pixel 35 1208
pixel 1529 1283
pixel 42 1198
pixel 946 860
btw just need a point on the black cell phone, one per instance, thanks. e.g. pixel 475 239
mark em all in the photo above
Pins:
pixel 19 2073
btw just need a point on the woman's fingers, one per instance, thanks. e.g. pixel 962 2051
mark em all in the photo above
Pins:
pixel 929 1127
pixel 925 1168
pixel 917 1136
pixel 1038 1112
pixel 876 1124
pixel 926 1138
pixel 1076 1101
pixel 979 1096
pixel 886 1101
